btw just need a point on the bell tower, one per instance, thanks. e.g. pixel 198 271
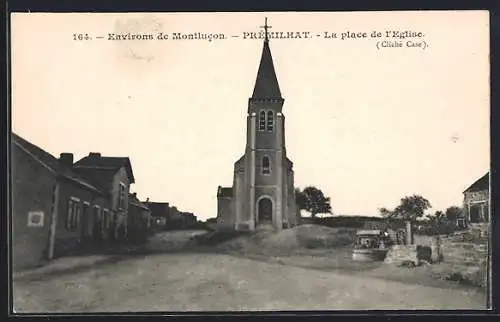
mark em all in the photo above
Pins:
pixel 265 150
pixel 262 194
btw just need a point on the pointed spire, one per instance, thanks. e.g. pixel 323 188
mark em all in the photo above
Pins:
pixel 266 84
pixel 266 27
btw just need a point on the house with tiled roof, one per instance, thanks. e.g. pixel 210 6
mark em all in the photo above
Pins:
pixel 113 176
pixel 138 219
pixel 168 217
pixel 159 213
pixel 189 219
pixel 476 201
pixel 54 209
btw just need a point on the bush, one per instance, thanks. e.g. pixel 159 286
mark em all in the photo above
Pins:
pixel 476 275
pixel 473 237
pixel 356 222
pixel 445 228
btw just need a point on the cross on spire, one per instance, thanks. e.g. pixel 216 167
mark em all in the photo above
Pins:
pixel 266 84
pixel 266 27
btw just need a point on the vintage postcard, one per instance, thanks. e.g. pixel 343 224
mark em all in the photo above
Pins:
pixel 266 161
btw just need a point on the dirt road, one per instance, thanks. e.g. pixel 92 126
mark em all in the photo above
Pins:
pixel 208 282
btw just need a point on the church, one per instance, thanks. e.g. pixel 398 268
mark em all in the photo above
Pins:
pixel 262 194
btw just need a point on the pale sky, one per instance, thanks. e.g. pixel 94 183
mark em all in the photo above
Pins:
pixel 368 126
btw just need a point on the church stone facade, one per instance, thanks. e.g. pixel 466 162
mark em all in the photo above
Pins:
pixel 262 194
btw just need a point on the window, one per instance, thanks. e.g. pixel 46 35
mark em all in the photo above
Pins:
pixel 98 215
pixel 70 215
pixel 270 121
pixel 262 121
pixel 265 165
pixel 112 219
pixel 106 219
pixel 73 217
pixel 121 196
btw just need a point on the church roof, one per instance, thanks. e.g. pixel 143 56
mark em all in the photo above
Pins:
pixel 266 84
pixel 225 192
pixel 240 164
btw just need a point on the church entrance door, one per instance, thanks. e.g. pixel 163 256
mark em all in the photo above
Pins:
pixel 265 209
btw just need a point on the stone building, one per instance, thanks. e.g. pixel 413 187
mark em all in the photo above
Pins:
pixel 54 210
pixel 476 201
pixel 262 193
pixel 59 207
pixel 113 176
pixel 159 212
pixel 139 219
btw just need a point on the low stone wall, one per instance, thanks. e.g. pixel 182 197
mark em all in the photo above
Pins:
pixel 398 254
pixel 425 240
pixel 464 253
pixel 416 254
pixel 468 247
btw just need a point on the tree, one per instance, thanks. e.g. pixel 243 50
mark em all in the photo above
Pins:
pixel 438 219
pixel 453 213
pixel 300 199
pixel 384 212
pixel 313 200
pixel 440 224
pixel 411 208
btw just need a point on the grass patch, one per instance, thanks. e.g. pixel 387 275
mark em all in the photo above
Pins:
pixel 462 274
pixel 464 279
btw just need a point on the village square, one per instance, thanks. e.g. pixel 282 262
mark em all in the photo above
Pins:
pixel 82 240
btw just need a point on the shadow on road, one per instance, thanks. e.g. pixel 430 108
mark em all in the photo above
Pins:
pixel 84 258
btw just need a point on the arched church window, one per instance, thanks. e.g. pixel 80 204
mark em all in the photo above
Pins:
pixel 262 121
pixel 270 120
pixel 266 168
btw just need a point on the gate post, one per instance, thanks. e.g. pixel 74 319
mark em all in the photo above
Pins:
pixel 409 239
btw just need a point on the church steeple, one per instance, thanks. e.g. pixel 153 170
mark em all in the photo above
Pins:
pixel 266 84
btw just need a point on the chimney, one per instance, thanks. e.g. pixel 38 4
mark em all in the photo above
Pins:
pixel 66 159
pixel 95 154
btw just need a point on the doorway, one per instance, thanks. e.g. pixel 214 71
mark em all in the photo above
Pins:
pixel 265 210
pixel 84 222
pixel 474 213
pixel 96 227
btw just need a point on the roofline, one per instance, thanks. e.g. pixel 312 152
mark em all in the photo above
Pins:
pixel 131 177
pixel 55 172
pixel 129 163
pixel 157 202
pixel 489 184
pixel 46 166
pixel 135 204
pixel 83 184
pixel 95 167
